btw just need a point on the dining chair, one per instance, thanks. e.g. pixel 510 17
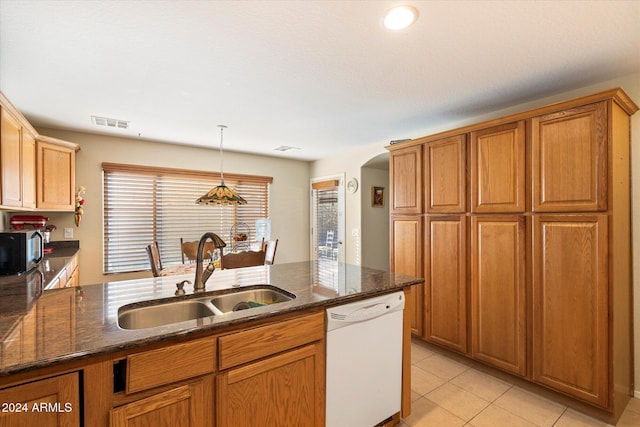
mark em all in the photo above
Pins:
pixel 269 247
pixel 242 259
pixel 154 259
pixel 327 250
pixel 188 250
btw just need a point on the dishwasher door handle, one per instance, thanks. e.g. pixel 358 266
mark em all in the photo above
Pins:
pixel 362 314
pixel 367 313
pixel 361 311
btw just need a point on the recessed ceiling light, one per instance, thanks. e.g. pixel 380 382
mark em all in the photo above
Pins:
pixel 400 17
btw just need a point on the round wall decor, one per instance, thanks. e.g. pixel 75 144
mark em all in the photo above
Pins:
pixel 352 185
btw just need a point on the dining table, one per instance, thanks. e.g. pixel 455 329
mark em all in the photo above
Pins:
pixel 187 268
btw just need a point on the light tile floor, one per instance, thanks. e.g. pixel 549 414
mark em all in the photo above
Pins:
pixel 449 391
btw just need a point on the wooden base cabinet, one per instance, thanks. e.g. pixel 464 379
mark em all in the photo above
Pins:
pixel 169 386
pixel 278 391
pixel 532 272
pixel 273 375
pixel 182 406
pixel 406 258
pixel 49 402
pixel 445 296
pixel 570 305
pixel 498 292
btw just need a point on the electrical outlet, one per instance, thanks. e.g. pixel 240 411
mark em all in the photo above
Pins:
pixel 68 233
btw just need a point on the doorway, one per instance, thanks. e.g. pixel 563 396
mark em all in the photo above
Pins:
pixel 327 219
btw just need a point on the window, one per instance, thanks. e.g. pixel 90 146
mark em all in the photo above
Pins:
pixel 146 204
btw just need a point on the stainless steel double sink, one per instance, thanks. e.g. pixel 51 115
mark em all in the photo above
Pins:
pixel 149 314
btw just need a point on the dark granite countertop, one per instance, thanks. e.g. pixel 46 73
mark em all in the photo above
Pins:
pixel 90 326
pixel 19 292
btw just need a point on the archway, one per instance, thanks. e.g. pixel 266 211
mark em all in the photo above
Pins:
pixel 374 212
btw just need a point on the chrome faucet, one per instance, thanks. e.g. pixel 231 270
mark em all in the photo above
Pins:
pixel 203 276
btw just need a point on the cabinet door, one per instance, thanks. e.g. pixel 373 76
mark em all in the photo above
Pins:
pixel 10 159
pixel 283 390
pixel 498 324
pixel 190 405
pixel 406 258
pixel 446 281
pixel 405 169
pixel 445 174
pixel 28 170
pixel 56 172
pixel 498 169
pixel 569 164
pixel 570 305
pixel 58 398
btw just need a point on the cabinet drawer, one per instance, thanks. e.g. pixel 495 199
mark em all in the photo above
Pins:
pixel 167 365
pixel 254 344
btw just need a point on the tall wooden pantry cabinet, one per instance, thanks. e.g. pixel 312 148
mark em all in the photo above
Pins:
pixel 521 227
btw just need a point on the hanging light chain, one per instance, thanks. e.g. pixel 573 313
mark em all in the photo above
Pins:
pixel 222 128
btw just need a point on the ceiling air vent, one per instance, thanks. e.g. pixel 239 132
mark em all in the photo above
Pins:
pixel 284 148
pixel 112 123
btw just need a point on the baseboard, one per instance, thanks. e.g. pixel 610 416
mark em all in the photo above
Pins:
pixel 636 394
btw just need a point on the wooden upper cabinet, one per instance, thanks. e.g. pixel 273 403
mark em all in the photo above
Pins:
pixel 498 310
pixel 17 159
pixel 446 281
pixel 36 172
pixel 405 169
pixel 28 170
pixel 11 159
pixel 56 171
pixel 570 305
pixel 569 164
pixel 445 176
pixel 498 169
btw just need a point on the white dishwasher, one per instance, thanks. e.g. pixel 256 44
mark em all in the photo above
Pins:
pixel 364 361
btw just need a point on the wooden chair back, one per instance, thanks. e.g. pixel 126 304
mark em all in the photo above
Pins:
pixel 189 250
pixel 269 247
pixel 154 259
pixel 242 259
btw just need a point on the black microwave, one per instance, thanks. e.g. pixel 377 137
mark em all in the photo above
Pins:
pixel 20 251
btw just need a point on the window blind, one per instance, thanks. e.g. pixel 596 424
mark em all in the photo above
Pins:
pixel 325 210
pixel 147 204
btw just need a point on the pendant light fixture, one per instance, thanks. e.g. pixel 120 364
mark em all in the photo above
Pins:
pixel 221 195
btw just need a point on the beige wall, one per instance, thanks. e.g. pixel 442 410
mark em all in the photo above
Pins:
pixel 289 207
pixel 375 221
pixel 351 162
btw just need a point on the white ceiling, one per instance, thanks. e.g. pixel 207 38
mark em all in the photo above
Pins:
pixel 323 76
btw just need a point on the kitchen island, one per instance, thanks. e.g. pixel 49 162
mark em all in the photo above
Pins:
pixel 101 374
